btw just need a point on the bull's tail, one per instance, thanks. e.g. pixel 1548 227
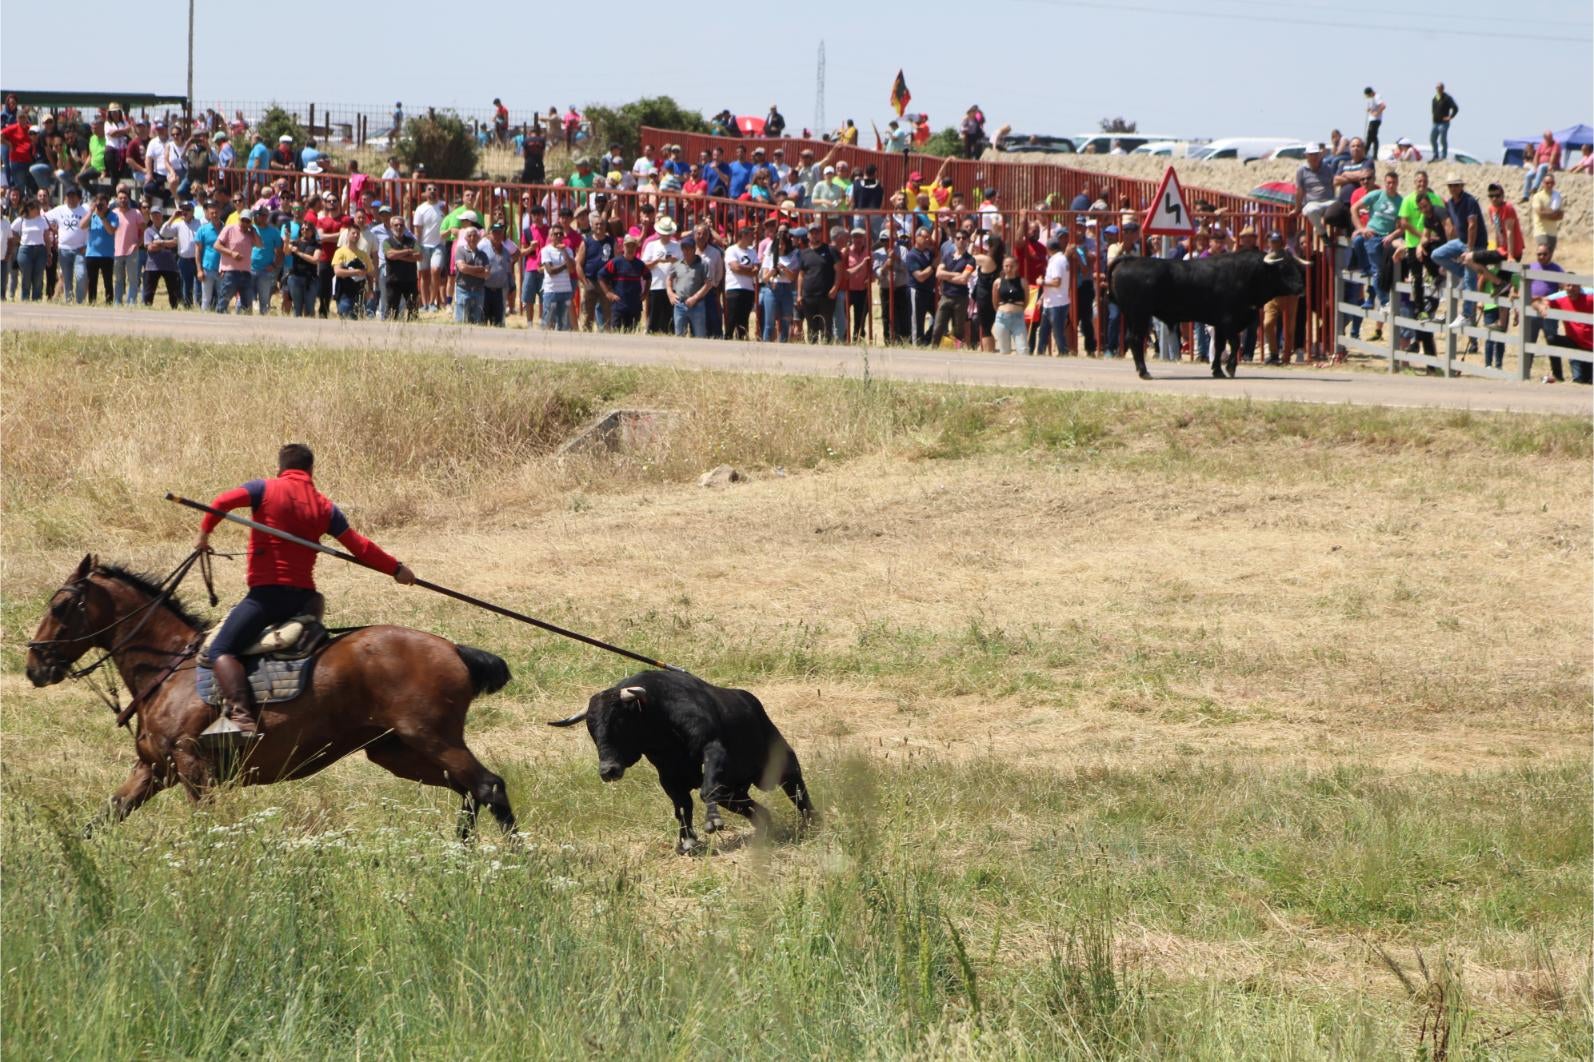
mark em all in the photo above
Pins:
pixel 488 673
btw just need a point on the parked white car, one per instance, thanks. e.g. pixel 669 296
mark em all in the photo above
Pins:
pixel 1170 149
pixel 1101 143
pixel 1243 148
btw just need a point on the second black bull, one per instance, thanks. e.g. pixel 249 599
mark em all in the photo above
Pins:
pixel 1224 291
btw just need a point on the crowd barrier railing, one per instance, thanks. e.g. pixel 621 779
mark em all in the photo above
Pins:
pixel 1400 323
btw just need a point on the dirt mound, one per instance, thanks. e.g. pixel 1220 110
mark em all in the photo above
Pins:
pixel 1576 246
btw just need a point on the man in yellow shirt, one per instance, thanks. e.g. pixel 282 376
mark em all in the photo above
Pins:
pixel 1546 208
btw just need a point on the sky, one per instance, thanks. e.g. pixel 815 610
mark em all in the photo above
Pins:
pixel 1220 68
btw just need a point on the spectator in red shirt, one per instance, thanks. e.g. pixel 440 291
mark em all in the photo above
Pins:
pixel 329 224
pixel 855 280
pixel 19 140
pixel 1505 228
pixel 1032 256
pixel 1546 159
pixel 1575 335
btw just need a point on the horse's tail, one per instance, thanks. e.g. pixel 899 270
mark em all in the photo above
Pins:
pixel 488 673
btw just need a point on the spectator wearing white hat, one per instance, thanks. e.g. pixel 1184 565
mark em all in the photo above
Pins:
pixel 658 255
pixel 1314 187
pixel 284 157
pixel 826 194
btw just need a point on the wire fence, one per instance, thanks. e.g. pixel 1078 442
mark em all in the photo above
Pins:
pixel 361 123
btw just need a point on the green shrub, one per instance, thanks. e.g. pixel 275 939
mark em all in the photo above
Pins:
pixel 442 142
pixel 275 123
pixel 621 125
pixel 947 143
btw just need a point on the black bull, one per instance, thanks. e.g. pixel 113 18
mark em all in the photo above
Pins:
pixel 1224 291
pixel 697 736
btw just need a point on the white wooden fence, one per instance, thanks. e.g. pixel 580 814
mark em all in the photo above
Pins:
pixel 1450 356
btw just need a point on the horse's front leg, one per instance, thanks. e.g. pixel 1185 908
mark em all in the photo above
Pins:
pixel 193 768
pixel 141 784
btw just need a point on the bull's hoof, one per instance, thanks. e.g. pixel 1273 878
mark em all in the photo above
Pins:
pixel 1144 375
pixel 687 846
pixel 1217 374
pixel 713 824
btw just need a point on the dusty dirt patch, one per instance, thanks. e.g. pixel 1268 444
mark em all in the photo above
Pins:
pixel 1386 612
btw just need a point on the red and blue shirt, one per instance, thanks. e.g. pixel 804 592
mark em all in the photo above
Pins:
pixel 291 503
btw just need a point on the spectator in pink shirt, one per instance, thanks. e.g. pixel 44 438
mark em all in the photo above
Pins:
pixel 1546 159
pixel 129 238
pixel 1585 161
pixel 235 245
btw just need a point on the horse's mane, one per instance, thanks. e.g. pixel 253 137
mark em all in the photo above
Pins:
pixel 149 585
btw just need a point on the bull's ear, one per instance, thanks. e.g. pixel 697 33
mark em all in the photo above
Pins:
pixel 569 720
pixel 635 696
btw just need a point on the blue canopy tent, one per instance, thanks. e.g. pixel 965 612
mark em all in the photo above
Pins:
pixel 1571 139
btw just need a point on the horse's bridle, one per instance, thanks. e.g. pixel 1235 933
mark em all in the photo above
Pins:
pixel 77 591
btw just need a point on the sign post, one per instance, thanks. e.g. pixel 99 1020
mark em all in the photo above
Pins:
pixel 1168 214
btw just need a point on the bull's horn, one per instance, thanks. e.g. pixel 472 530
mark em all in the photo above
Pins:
pixel 570 721
pixel 633 693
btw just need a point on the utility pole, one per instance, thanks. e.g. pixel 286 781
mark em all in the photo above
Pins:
pixel 819 94
pixel 190 60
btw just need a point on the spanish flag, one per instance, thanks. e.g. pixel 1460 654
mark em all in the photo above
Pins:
pixel 900 96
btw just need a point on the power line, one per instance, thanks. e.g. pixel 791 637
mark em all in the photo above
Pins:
pixel 1353 10
pixel 1425 28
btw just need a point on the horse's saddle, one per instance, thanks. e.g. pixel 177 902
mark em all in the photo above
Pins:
pixel 279 664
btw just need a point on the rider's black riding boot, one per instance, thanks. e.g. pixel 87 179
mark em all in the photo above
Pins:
pixel 238 700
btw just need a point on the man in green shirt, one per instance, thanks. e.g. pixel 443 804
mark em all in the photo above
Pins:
pixel 452 221
pixel 582 178
pixel 97 146
pixel 1410 216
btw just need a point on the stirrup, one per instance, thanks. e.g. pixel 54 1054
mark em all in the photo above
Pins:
pixel 224 730
pixel 224 727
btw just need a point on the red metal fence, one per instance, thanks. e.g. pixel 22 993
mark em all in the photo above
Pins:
pixel 1034 185
pixel 1018 184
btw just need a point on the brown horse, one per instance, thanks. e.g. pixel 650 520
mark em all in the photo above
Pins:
pixel 400 695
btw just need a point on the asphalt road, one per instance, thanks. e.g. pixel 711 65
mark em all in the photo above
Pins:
pixel 1321 384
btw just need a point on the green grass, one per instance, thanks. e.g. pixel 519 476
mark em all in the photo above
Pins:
pixel 938 909
pixel 415 435
pixel 1180 883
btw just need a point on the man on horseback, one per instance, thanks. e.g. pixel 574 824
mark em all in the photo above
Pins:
pixel 280 575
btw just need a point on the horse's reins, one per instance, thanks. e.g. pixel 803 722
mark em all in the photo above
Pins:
pixel 166 588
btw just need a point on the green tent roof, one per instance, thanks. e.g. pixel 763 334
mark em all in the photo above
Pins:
pixel 63 98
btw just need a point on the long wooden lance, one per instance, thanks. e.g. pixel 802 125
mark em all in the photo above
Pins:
pixel 500 610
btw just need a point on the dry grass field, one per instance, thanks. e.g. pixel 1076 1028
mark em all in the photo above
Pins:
pixel 1141 726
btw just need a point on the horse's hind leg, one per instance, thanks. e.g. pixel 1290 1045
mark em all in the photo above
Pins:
pixel 393 754
pixel 464 774
pixel 139 787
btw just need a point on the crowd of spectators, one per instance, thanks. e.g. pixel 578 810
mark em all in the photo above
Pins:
pixel 739 242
